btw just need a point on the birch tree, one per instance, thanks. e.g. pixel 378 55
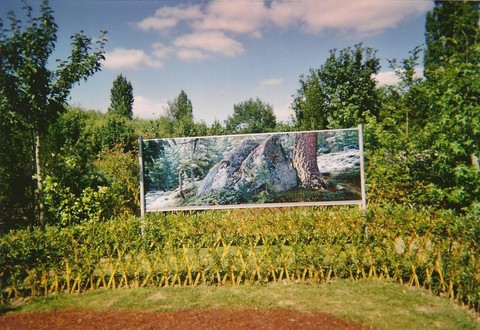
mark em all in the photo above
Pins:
pixel 30 91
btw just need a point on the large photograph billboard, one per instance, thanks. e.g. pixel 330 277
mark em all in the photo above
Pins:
pixel 253 170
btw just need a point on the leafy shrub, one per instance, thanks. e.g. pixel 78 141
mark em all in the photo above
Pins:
pixel 435 250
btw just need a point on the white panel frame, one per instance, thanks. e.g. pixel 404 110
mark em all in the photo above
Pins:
pixel 362 202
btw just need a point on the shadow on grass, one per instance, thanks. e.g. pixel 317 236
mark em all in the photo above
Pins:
pixel 7 308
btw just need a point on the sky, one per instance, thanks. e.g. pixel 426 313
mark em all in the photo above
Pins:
pixel 224 52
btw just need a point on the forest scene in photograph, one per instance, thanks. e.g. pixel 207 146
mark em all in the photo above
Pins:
pixel 218 171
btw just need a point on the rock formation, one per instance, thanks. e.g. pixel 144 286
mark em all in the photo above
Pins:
pixel 253 166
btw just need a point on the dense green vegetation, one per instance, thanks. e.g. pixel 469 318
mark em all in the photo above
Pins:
pixel 32 97
pixel 435 250
pixel 251 116
pixel 69 177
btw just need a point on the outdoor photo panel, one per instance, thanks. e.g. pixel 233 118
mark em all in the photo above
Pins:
pixel 254 170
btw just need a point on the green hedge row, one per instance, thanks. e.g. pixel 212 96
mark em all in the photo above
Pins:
pixel 436 250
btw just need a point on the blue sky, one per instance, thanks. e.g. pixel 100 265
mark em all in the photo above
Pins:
pixel 223 52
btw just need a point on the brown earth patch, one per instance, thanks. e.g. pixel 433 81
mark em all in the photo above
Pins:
pixel 190 319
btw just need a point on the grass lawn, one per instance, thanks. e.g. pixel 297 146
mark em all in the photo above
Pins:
pixel 376 303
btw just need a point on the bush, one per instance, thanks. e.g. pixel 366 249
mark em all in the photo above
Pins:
pixel 435 250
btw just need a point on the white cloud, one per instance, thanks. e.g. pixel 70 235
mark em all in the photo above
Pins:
pixel 212 42
pixel 161 51
pixel 361 16
pixel 252 17
pixel 283 113
pixel 120 58
pixel 214 28
pixel 391 78
pixel 192 55
pixel 269 82
pixel 180 12
pixel 157 23
pixel 241 17
pixel 148 109
pixel 168 17
pixel 386 78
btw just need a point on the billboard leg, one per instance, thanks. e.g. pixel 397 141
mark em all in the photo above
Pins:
pixel 362 167
pixel 142 190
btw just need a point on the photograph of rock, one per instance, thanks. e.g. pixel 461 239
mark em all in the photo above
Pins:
pixel 253 170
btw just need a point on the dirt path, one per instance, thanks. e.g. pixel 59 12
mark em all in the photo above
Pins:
pixel 192 319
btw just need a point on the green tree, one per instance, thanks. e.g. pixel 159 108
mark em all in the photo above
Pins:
pixel 401 104
pixel 424 148
pixel 16 168
pixel 69 170
pixel 71 151
pixel 116 130
pixel 180 112
pixel 120 170
pixel 451 29
pixel 216 128
pixel 390 150
pixel 30 92
pixel 251 116
pixel 90 168
pixel 451 93
pixel 452 133
pixel 121 97
pixel 158 128
pixel 340 93
pixel 180 108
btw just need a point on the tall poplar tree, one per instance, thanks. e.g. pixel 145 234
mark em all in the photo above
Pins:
pixel 121 97
pixel 181 107
pixel 30 92
pixel 452 94
pixel 180 112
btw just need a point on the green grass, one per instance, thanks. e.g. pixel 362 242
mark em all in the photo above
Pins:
pixel 374 303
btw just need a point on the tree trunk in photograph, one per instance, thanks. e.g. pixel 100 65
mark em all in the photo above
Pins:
pixel 180 185
pixel 305 161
